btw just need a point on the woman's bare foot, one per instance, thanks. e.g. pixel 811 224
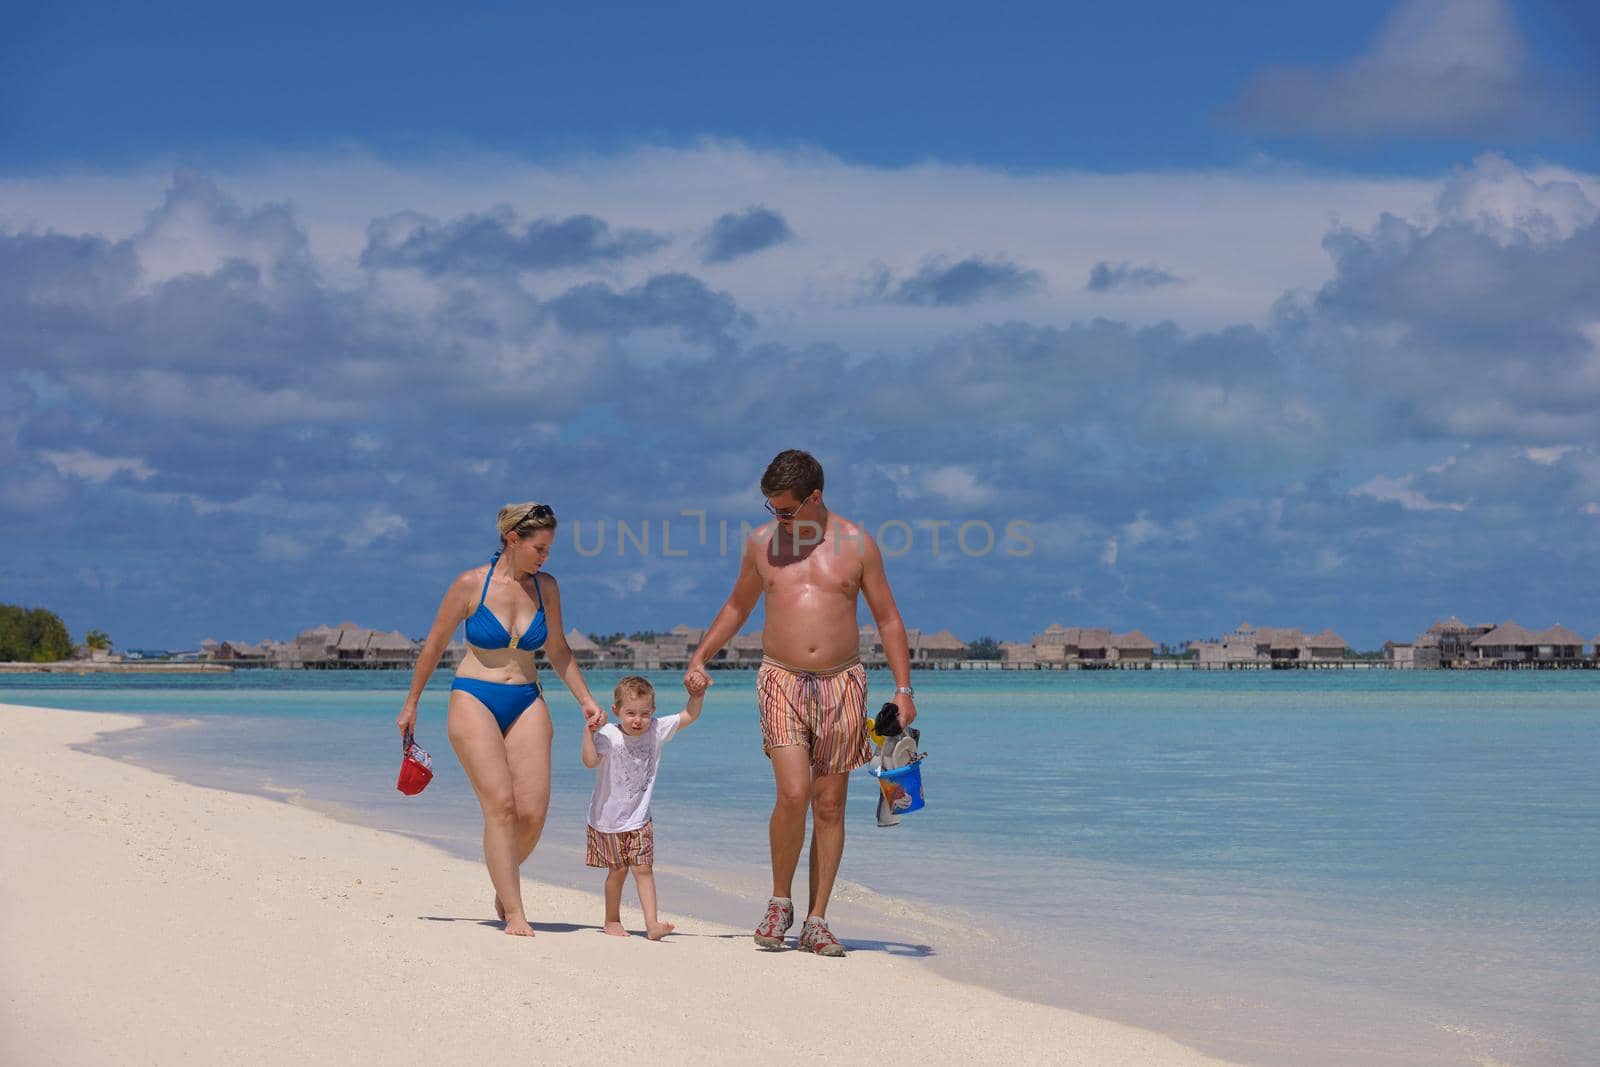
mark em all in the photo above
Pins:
pixel 615 930
pixel 658 931
pixel 519 928
pixel 499 909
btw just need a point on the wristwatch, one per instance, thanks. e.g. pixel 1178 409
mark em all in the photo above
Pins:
pixel 906 689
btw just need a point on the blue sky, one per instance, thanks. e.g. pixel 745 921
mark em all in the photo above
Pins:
pixel 1246 316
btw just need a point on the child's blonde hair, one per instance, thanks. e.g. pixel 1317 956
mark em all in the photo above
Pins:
pixel 632 686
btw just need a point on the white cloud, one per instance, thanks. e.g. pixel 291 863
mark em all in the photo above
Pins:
pixel 1240 236
pixel 299 410
pixel 1328 560
pixel 31 492
pixel 1400 491
pixel 956 485
pixel 282 548
pixel 198 229
pixel 376 525
pixel 1141 530
pixel 1548 456
pixel 1435 67
pixel 215 399
pixel 1108 554
pixel 1499 198
pixel 627 583
pixel 98 469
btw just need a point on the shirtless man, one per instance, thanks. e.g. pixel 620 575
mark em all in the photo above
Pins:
pixel 810 564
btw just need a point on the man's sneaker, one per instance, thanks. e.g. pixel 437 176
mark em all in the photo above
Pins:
pixel 816 937
pixel 780 916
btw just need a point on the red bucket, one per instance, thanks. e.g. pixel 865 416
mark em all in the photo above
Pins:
pixel 416 768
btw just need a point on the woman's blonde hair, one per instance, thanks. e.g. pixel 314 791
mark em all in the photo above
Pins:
pixel 525 518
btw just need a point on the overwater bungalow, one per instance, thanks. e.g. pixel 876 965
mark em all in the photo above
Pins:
pixel 1279 646
pixel 239 653
pixel 1327 646
pixel 1058 646
pixel 1133 647
pixel 746 650
pixel 1406 656
pixel 943 649
pixel 1019 654
pixel 1450 640
pixel 666 652
pixel 868 647
pixel 1510 644
pixel 584 650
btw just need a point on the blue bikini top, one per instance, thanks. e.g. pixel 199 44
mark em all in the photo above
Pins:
pixel 486 631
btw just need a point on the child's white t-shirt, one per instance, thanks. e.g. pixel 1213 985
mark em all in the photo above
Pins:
pixel 626 777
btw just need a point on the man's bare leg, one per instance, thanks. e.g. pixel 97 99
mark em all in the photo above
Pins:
pixel 791 771
pixel 828 795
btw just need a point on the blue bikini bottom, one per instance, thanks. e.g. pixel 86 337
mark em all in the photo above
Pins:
pixel 505 701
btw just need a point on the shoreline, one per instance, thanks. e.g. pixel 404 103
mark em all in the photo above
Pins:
pixel 68 666
pixel 376 943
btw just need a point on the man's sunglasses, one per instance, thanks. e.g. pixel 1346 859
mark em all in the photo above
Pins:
pixel 785 513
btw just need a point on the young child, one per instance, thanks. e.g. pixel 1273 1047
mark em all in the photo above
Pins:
pixel 621 834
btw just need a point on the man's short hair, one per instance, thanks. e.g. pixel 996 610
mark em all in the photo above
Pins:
pixel 632 686
pixel 792 471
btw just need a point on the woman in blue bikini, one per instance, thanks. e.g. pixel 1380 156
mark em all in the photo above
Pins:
pixel 499 724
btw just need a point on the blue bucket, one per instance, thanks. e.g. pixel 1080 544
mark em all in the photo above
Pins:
pixel 901 786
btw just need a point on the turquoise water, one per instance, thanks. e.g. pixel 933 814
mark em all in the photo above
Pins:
pixel 1362 867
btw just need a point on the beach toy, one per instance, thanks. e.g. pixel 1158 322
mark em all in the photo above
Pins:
pixel 897 765
pixel 901 786
pixel 416 767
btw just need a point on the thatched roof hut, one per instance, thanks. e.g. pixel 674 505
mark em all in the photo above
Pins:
pixel 747 648
pixel 1018 653
pixel 943 645
pixel 1508 634
pixel 1133 641
pixel 1283 639
pixel 1559 635
pixel 583 647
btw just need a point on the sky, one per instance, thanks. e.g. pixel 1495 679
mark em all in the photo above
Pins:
pixel 1161 317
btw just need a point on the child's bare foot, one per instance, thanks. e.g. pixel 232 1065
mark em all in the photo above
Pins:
pixel 658 931
pixel 615 930
pixel 519 928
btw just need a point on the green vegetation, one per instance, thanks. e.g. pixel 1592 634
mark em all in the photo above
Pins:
pixel 607 640
pixel 32 635
pixel 97 641
pixel 984 647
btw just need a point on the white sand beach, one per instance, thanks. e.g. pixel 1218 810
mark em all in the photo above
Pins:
pixel 148 921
